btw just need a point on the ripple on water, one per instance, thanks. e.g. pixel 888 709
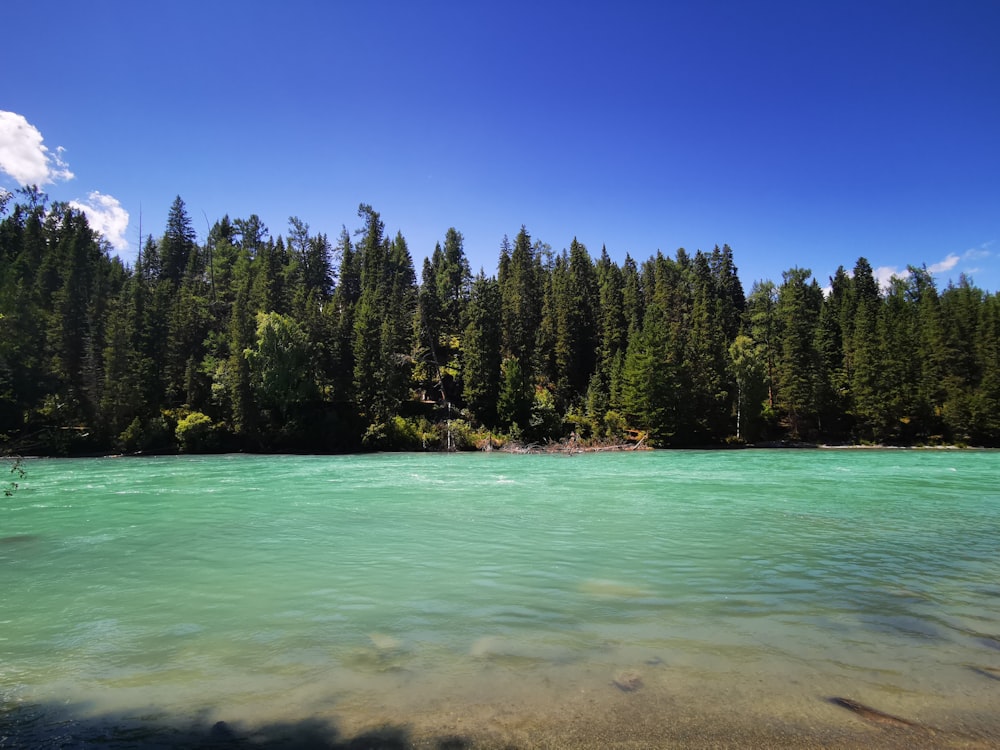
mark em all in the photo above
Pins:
pixel 419 578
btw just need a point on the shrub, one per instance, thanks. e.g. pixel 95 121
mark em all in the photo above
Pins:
pixel 398 434
pixel 195 432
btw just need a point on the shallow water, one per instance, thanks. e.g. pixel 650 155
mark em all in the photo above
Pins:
pixel 417 587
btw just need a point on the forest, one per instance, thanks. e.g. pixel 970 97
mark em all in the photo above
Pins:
pixel 296 343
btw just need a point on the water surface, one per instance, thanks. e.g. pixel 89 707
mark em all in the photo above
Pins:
pixel 429 590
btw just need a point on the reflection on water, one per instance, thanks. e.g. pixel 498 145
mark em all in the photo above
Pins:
pixel 279 588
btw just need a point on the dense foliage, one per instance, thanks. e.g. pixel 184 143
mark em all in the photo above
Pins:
pixel 250 342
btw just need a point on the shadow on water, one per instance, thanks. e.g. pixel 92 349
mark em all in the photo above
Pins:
pixel 60 726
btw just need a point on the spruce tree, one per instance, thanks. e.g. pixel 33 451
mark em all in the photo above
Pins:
pixel 521 299
pixel 481 343
pixel 177 244
pixel 797 313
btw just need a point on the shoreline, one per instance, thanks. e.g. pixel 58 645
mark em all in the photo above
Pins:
pixel 645 718
pixel 542 449
pixel 636 704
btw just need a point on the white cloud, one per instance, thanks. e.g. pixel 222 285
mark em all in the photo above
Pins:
pixel 885 274
pixel 945 265
pixel 977 253
pixel 105 215
pixel 24 157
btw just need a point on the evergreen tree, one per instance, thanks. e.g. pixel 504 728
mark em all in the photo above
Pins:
pixel 452 280
pixel 633 296
pixel 122 399
pixel 577 339
pixel 397 328
pixel 481 343
pixel 728 289
pixel 899 367
pixel 612 332
pixel 342 310
pixel 833 385
pixel 76 317
pixel 521 299
pixel 311 257
pixel 987 404
pixel 235 379
pixel 383 333
pixel 177 244
pixel 374 288
pixel 249 337
pixel 443 295
pixel 933 353
pixel 797 313
pixel 188 328
pixel 867 404
pixel 649 382
pixel 515 398
pixel 749 373
pixel 706 356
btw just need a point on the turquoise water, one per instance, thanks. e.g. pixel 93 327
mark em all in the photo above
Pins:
pixel 256 588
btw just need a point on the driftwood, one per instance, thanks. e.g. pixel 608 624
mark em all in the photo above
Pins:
pixel 570 447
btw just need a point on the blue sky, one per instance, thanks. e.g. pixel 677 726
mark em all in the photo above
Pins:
pixel 800 133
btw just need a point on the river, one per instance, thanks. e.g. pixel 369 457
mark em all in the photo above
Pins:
pixel 626 599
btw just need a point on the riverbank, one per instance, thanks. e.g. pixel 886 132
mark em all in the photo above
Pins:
pixel 573 447
pixel 568 446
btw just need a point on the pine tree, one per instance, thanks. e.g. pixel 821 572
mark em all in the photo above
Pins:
pixel 577 326
pixel 987 423
pixel 899 367
pixel 960 306
pixel 383 323
pixel 633 296
pixel 797 313
pixel 342 310
pixel 122 399
pixel 481 343
pixel 74 339
pixel 649 382
pixel 515 398
pixel 452 280
pixel 833 385
pixel 731 301
pixel 612 328
pixel 310 256
pixel 933 353
pixel 867 404
pixel 177 244
pixel 374 287
pixel 706 356
pixel 521 299
pixel 397 343
pixel 762 324
pixel 749 374
pixel 236 378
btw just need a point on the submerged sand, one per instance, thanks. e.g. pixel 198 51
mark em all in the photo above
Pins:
pixel 655 715
pixel 642 707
